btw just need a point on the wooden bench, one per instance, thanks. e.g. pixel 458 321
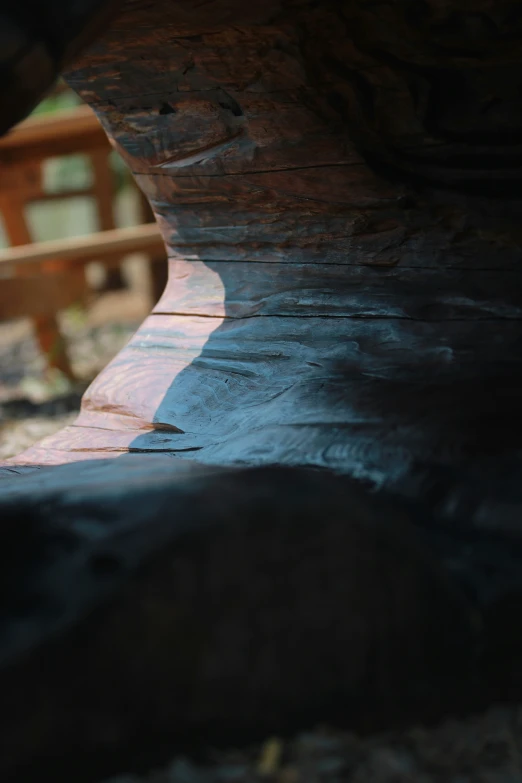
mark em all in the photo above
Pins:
pixel 295 496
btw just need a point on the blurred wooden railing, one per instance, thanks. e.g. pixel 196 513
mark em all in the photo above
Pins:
pixel 40 279
pixel 81 250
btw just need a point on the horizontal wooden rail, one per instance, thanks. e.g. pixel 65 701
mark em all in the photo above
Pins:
pixel 62 195
pixel 83 249
pixel 63 133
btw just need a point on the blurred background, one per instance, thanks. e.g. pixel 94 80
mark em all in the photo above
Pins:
pixel 62 320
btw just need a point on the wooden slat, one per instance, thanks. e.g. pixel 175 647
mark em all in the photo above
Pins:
pixel 104 188
pixel 61 195
pixel 145 238
pixel 63 133
pixel 105 193
pixel 24 181
pixel 12 209
pixel 39 298
pixel 52 343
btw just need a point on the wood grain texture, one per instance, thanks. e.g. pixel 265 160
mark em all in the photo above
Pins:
pixel 303 281
pixel 242 289
pixel 337 185
pixel 336 393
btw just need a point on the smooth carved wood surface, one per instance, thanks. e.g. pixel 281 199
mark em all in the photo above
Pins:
pixel 317 312
pixel 218 288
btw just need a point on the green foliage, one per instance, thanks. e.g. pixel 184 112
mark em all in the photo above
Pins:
pixel 53 103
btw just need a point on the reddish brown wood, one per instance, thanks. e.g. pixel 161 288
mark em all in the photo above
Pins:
pixel 159 269
pixel 25 297
pixel 246 138
pixel 338 188
pixel 104 186
pixel 82 249
pixel 51 342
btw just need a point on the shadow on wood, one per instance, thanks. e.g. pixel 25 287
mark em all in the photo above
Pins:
pixel 338 193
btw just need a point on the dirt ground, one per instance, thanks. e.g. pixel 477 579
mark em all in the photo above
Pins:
pixel 486 749
pixel 35 403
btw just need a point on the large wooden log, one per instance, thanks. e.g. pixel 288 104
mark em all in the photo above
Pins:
pixel 337 184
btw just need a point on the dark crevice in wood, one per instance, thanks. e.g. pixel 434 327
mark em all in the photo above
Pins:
pixel 336 316
pixel 392 166
pixel 370 265
pixel 92 427
pixel 99 105
pixel 247 172
pixel 166 108
pixel 171 450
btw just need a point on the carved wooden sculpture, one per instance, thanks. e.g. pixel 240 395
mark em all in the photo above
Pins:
pixel 338 186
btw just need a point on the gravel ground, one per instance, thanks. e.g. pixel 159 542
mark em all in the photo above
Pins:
pixel 485 749
pixel 34 403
